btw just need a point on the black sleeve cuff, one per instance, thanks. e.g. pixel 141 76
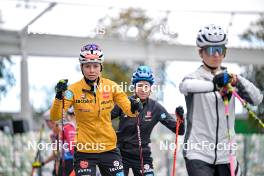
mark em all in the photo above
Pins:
pixel 59 95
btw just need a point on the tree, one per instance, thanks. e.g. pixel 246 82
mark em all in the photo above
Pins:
pixel 255 31
pixel 134 23
pixel 119 73
pixel 255 73
pixel 7 79
pixel 49 93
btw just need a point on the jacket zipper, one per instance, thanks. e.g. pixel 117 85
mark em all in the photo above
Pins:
pixel 217 127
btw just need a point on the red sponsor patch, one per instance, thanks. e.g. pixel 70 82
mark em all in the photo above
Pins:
pixel 82 96
pixel 84 164
pixel 105 94
pixel 148 114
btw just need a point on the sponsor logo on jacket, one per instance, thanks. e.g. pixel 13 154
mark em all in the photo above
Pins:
pixel 106 102
pixel 84 164
pixel 105 95
pixel 83 101
pixel 148 116
pixel 117 166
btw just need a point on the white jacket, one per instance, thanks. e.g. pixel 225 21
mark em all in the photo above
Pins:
pixel 206 119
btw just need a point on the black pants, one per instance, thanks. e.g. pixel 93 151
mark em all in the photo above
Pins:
pixel 67 168
pixel 131 159
pixel 109 163
pixel 201 168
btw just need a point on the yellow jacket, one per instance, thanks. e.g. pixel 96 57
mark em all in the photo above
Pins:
pixel 95 133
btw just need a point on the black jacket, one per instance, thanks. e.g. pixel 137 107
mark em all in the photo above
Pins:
pixel 152 113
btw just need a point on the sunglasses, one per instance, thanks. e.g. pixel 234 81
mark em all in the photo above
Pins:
pixel 211 50
pixel 90 47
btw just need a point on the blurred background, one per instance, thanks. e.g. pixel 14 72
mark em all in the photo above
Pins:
pixel 40 42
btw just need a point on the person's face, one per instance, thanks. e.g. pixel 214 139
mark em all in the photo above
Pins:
pixel 213 56
pixel 143 89
pixel 91 71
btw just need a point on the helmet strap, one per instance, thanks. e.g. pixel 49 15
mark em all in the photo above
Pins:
pixel 101 67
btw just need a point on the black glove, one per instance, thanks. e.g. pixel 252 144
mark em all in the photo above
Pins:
pixel 221 80
pixel 136 105
pixel 60 88
pixel 179 112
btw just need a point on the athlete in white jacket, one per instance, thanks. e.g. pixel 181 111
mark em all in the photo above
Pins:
pixel 206 149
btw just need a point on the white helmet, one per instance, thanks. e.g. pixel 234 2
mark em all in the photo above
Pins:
pixel 211 35
pixel 91 53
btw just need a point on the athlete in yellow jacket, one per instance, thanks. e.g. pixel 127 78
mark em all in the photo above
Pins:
pixel 93 98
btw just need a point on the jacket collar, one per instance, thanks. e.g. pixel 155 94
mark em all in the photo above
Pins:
pixel 88 86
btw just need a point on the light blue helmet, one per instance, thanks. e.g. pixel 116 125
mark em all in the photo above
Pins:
pixel 143 73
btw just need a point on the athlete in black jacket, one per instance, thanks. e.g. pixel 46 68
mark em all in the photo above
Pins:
pixel 151 114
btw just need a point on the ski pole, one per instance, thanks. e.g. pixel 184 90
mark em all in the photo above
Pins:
pixel 62 129
pixel 140 141
pixel 231 157
pixel 36 163
pixel 179 114
pixel 245 105
pixel 251 113
pixel 57 161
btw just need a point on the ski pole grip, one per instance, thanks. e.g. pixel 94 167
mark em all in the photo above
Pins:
pixel 179 111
